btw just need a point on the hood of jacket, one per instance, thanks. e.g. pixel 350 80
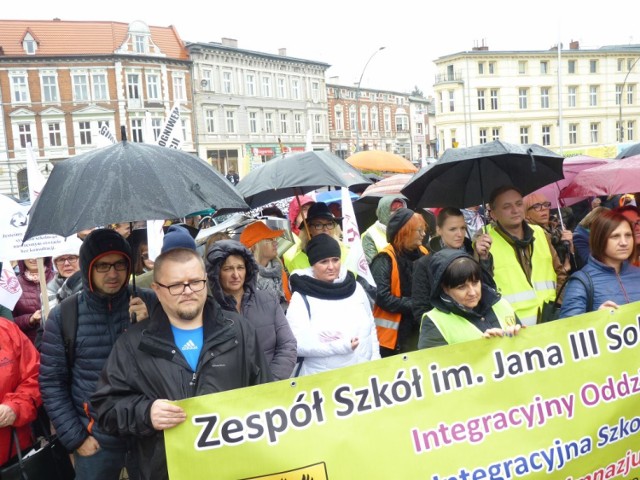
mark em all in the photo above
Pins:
pixel 99 243
pixel 294 209
pixel 217 255
pixel 437 265
pixel 383 211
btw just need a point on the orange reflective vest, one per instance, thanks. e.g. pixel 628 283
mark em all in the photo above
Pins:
pixel 388 323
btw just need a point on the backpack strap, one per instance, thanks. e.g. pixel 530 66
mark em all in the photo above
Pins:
pixel 585 279
pixel 69 316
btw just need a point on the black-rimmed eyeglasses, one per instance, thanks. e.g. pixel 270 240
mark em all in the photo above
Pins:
pixel 322 226
pixel 539 206
pixel 119 266
pixel 179 288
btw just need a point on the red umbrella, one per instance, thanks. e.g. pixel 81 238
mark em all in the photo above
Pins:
pixel 570 168
pixel 617 176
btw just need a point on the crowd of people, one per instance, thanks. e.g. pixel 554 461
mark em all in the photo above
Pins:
pixel 104 366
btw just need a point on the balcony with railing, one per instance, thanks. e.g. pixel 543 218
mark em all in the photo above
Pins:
pixel 449 77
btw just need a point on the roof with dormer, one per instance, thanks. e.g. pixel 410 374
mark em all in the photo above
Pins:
pixel 82 38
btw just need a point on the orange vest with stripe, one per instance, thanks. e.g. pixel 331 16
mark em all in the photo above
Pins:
pixel 387 323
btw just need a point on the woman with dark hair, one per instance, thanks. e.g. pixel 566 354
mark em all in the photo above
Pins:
pixel 608 279
pixel 451 229
pixel 581 235
pixel 465 305
pixel 392 270
pixel 232 272
pixel 27 312
pixel 633 215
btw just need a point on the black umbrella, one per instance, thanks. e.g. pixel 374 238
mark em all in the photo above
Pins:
pixel 629 151
pixel 465 177
pixel 126 182
pixel 297 173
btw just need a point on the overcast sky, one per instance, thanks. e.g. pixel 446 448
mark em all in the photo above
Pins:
pixel 344 33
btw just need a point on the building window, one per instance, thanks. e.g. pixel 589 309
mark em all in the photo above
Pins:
pixel 282 91
pixel 284 123
pixel 268 122
pixel 441 103
pixel 452 106
pixel 133 86
pixel 226 82
pixel 230 116
pixel 317 124
pixel 140 43
pixel 402 123
pixel 84 129
pixel 337 114
pixel 630 129
pixel 620 64
pixel 546 135
pixel 208 79
pixel 618 131
pixel 364 124
pixel 80 87
pixel 156 126
pixel 572 96
pixel 618 94
pixel 571 66
pixel 481 99
pixel 480 68
pixel 483 135
pixel 522 97
pixel 630 89
pixel 495 133
pixel 20 88
pixel 419 128
pixel 494 99
pixel 544 67
pixel 573 133
pixel 297 123
pixel 266 86
pixel 593 95
pixel 387 120
pixel 210 120
pixel 593 66
pixel 136 130
pixel 55 138
pixel 179 91
pixel 524 135
pixel 352 117
pixel 374 119
pixel 492 68
pixel 49 88
pixel 153 87
pixel 253 122
pixel 29 46
pixel 544 97
pixel 250 81
pixel 295 89
pixel 315 91
pixel 24 132
pixel 100 89
pixel 593 128
pixel 522 67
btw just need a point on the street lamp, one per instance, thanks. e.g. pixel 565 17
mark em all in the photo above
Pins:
pixel 358 99
pixel 621 97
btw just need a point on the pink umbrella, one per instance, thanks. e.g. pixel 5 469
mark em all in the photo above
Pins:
pixel 570 168
pixel 616 176
pixel 388 186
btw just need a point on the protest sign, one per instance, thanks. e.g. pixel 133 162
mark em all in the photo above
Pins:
pixel 556 401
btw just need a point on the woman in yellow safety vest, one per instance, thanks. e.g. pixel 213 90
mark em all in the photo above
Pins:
pixel 466 305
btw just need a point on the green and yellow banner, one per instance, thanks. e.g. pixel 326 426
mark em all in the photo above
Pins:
pixel 557 401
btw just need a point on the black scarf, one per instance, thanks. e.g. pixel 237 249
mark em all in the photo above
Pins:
pixel 312 287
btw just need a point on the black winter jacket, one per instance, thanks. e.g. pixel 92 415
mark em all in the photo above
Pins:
pixel 101 320
pixel 146 365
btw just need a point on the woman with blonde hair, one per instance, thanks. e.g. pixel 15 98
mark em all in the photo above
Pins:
pixel 392 270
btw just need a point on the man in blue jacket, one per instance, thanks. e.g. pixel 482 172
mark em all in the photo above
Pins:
pixel 103 310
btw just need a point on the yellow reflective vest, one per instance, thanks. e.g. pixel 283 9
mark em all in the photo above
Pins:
pixel 456 329
pixel 378 236
pixel 525 298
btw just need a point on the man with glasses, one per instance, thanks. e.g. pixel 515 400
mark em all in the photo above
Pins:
pixel 188 347
pixel 103 309
pixel 526 267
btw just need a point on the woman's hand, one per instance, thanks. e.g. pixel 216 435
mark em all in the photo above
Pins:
pixel 510 331
pixel 355 341
pixel 36 317
pixel 483 245
pixel 608 305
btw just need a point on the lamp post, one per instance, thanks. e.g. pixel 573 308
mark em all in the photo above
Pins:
pixel 358 99
pixel 621 97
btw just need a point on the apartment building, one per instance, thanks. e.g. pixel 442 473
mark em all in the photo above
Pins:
pixel 574 101
pixel 391 121
pixel 61 81
pixel 250 106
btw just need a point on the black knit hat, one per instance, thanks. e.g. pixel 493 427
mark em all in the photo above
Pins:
pixel 320 210
pixel 397 221
pixel 322 246
pixel 99 243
